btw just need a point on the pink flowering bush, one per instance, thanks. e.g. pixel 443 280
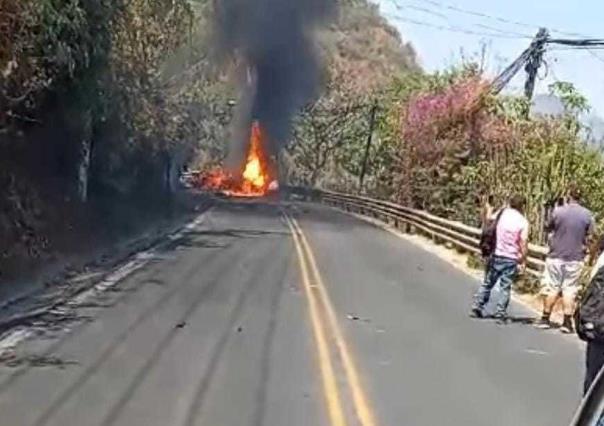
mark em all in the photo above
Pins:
pixel 441 132
pixel 434 123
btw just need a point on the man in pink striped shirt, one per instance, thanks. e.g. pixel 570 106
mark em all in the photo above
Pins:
pixel 510 254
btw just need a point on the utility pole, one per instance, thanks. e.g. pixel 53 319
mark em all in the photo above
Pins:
pixel 368 146
pixel 534 62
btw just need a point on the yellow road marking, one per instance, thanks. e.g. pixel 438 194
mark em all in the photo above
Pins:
pixel 332 395
pixel 361 402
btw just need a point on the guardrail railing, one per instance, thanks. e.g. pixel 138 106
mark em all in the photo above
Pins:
pixel 465 238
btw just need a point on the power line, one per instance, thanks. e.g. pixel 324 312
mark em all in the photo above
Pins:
pixel 595 55
pixel 568 48
pixel 478 14
pixel 507 74
pixel 453 28
pixel 493 17
pixel 444 17
pixel 406 6
pixel 401 8
pixel 590 50
pixel 511 33
pixel 589 44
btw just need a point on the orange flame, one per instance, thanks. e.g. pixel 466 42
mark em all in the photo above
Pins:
pixel 255 178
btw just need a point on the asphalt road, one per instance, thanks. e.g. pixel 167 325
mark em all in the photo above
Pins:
pixel 309 318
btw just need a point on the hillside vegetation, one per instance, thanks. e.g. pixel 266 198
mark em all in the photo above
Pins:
pixel 443 142
pixel 102 102
pixel 364 49
pixel 90 120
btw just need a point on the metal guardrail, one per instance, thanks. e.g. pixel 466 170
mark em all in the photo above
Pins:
pixel 465 238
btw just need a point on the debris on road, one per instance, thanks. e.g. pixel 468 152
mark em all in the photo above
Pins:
pixel 353 317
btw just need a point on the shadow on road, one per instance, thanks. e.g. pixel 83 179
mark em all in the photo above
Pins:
pixel 521 320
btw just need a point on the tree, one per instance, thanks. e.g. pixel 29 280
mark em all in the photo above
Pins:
pixel 326 130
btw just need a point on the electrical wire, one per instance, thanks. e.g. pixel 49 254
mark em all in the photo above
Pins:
pixel 579 43
pixel 453 28
pixel 508 74
pixel 595 55
pixel 569 48
pixel 478 14
pixel 510 33
pixel 591 50
pixel 496 18
pixel 589 44
pixel 401 8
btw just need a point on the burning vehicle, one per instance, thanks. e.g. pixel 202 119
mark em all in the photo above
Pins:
pixel 274 48
pixel 257 178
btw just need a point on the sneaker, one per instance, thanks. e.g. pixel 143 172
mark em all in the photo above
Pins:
pixel 567 325
pixel 543 324
pixel 476 313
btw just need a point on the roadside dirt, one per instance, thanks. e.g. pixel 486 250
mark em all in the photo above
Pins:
pixel 83 256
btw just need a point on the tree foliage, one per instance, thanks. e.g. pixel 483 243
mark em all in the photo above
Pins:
pixel 442 142
pixel 122 88
pixel 449 163
pixel 324 136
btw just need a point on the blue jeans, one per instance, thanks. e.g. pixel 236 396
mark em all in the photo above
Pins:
pixel 499 269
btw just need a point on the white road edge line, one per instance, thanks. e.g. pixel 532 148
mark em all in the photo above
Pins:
pixel 13 338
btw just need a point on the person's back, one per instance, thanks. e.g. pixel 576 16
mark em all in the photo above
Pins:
pixel 570 224
pixel 504 264
pixel 511 232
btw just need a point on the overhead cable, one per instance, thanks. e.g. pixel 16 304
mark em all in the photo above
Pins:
pixel 484 15
pixel 452 28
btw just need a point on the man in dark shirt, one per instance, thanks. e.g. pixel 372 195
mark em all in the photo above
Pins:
pixel 571 226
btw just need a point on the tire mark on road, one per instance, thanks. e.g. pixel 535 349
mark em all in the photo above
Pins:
pixel 122 337
pixel 116 410
pixel 16 375
pixel 199 397
pixel 267 344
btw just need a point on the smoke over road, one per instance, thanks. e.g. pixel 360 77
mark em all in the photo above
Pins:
pixel 275 39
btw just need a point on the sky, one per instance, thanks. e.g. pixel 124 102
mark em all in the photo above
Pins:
pixel 506 30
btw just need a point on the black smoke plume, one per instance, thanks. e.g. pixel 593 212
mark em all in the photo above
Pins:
pixel 275 39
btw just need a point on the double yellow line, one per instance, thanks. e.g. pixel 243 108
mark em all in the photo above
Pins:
pixel 329 339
